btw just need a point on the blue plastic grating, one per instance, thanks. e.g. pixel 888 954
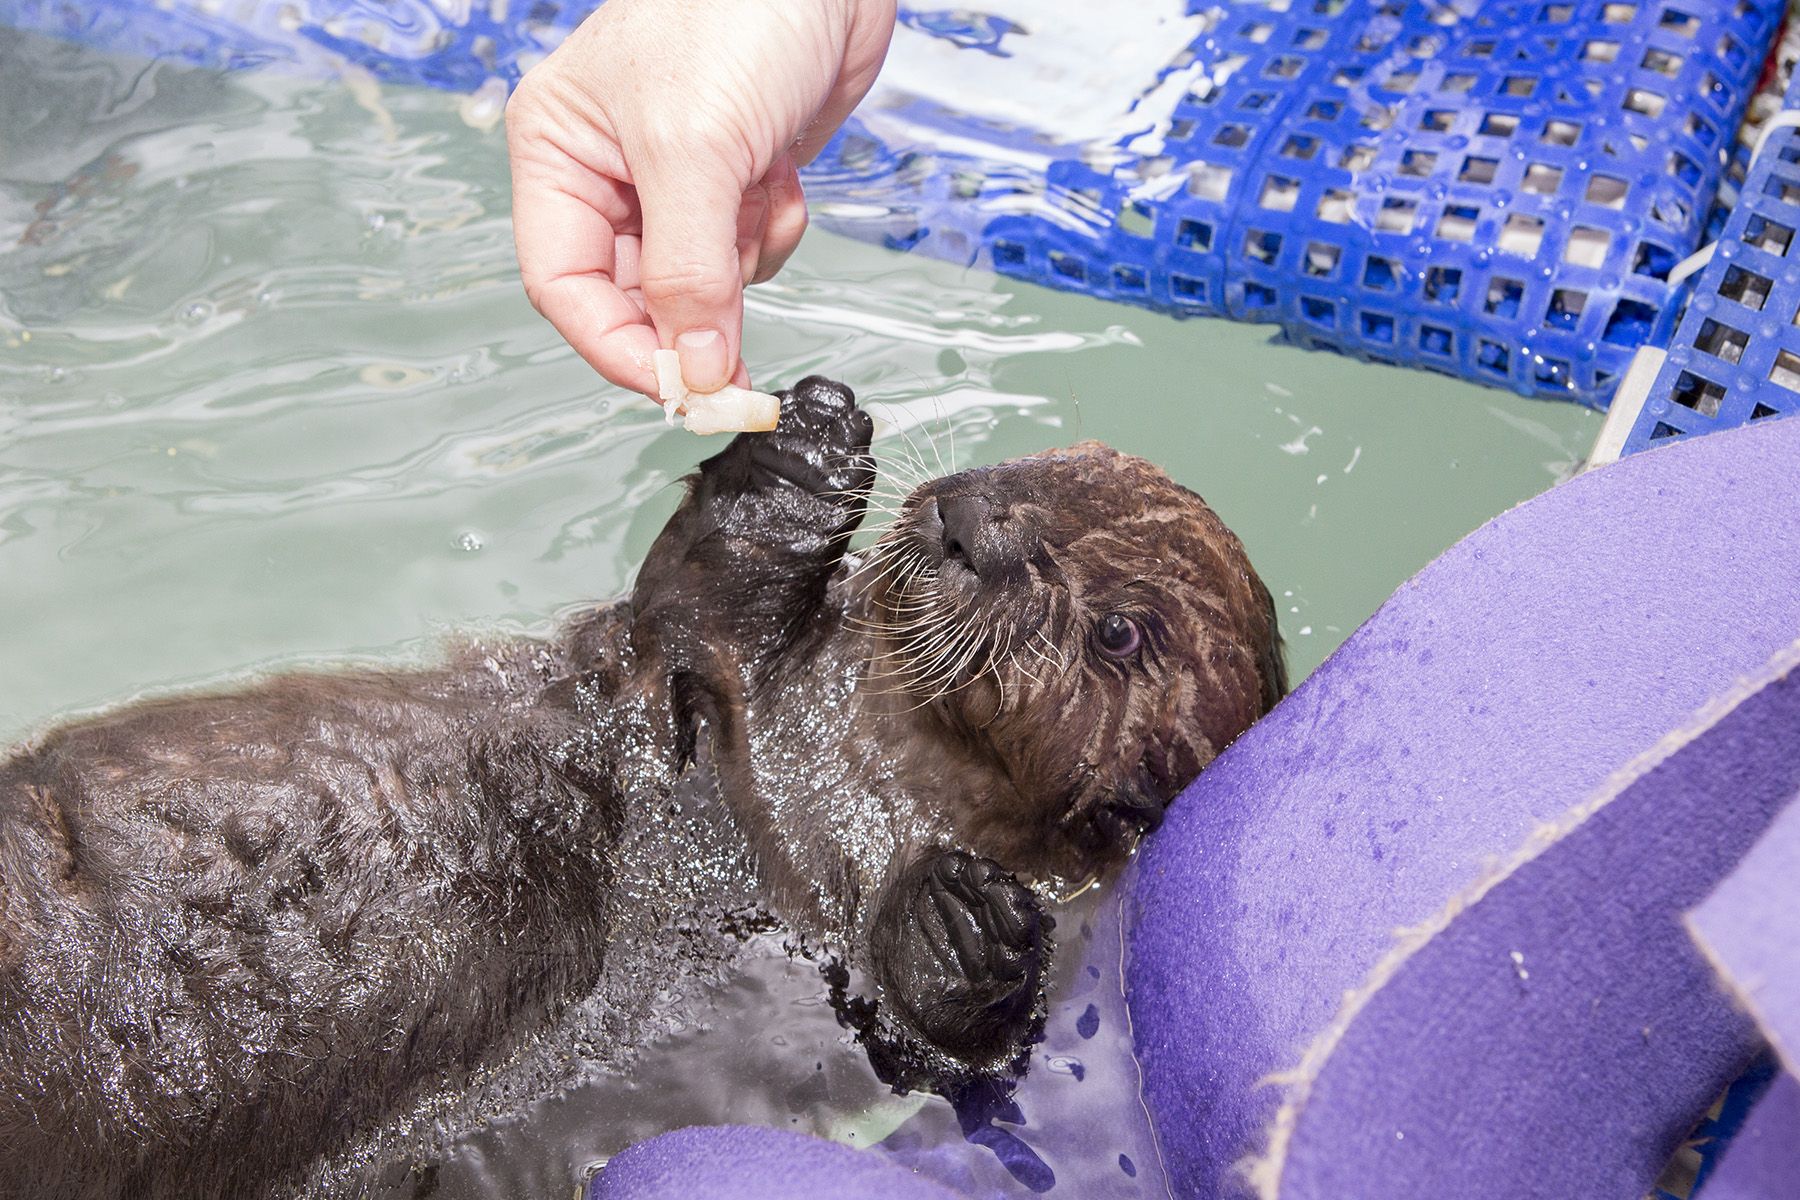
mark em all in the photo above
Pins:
pixel 1736 356
pixel 1492 190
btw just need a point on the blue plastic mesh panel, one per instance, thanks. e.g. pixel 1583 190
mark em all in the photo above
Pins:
pixel 1492 190
pixel 1736 356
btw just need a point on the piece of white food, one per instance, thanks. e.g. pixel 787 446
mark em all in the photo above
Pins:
pixel 728 410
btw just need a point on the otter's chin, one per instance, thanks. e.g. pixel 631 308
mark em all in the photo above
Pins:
pixel 1108 831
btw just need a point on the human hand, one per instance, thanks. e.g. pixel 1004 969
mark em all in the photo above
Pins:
pixel 655 159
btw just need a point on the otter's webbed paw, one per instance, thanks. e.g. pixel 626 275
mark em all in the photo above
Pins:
pixel 961 952
pixel 820 446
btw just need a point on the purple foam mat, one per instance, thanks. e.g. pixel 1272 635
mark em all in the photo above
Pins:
pixel 1763 1160
pixel 1558 1035
pixel 741 1162
pixel 1750 929
pixel 1487 699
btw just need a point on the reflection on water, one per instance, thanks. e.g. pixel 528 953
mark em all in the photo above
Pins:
pixel 269 392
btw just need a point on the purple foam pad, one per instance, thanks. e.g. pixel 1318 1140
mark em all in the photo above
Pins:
pixel 1750 929
pixel 1488 697
pixel 1553 1032
pixel 741 1162
pixel 1763 1160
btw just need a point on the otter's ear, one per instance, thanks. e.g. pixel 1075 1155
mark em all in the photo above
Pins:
pixel 1271 658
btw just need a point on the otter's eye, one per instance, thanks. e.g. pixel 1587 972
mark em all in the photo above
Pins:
pixel 1119 635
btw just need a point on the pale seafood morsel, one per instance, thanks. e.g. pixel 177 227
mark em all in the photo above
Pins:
pixel 728 410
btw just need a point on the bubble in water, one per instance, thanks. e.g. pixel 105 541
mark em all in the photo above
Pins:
pixel 196 312
pixel 470 541
pixel 57 375
pixel 376 221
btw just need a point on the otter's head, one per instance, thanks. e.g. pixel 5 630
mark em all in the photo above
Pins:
pixel 1090 628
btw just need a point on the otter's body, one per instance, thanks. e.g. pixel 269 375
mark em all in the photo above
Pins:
pixel 241 932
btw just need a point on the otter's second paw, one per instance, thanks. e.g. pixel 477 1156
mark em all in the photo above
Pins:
pixel 963 955
pixel 822 442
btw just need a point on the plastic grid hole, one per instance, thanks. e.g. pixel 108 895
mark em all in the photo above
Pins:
pixel 1301 147
pixel 1499 125
pixel 1565 309
pixel 1522 235
pixel 1645 102
pixel 1630 323
pixel 1128 278
pixel 1436 340
pixel 1541 179
pixel 1418 163
pixel 1321 260
pixel 1188 289
pixel 1784 191
pixel 1477 169
pixel 1762 410
pixel 1379 275
pixel 1722 341
pixel 1503 297
pixel 1319 312
pixel 1279 194
pixel 1458 223
pixel 1785 373
pixel 1698 393
pixel 1443 284
pixel 1679 23
pixel 1262 247
pixel 1607 191
pixel 1745 287
pixel 1336 206
pixel 1377 327
pixel 1587 246
pixel 1767 235
pixel 1068 266
pixel 1684 168
pixel 1561 133
pixel 1396 215
pixel 1258 295
pixel 1653 260
pixel 1193 235
pixel 1492 357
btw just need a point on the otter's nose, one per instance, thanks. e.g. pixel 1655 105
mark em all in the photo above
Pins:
pixel 968 533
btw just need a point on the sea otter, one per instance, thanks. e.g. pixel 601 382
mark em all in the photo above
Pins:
pixel 240 930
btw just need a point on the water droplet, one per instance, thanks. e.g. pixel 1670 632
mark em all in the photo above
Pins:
pixel 469 541
pixel 196 312
pixel 376 221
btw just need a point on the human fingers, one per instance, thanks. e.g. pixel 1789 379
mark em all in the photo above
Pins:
pixel 786 221
pixel 568 257
pixel 691 272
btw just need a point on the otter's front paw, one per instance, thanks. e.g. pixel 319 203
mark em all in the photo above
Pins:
pixel 822 442
pixel 964 956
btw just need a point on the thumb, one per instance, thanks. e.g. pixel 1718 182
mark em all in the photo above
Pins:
pixel 691 273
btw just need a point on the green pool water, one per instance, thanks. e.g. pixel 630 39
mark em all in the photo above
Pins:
pixel 270 393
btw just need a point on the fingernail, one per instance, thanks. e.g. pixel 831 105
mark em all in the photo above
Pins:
pixel 703 364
